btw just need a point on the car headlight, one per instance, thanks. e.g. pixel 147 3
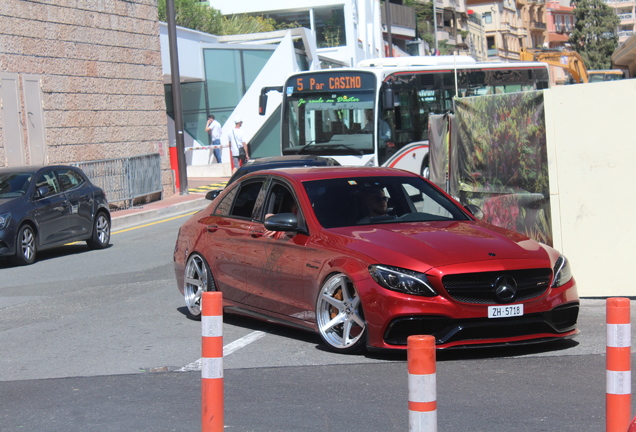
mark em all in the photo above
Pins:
pixel 402 280
pixel 4 220
pixel 562 272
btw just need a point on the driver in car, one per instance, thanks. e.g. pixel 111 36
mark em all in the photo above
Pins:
pixel 376 203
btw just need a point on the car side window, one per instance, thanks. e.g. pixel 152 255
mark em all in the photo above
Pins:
pixel 69 179
pixel 240 201
pixel 49 180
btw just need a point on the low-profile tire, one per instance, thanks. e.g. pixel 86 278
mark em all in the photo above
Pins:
pixel 339 315
pixel 101 232
pixel 25 246
pixel 196 280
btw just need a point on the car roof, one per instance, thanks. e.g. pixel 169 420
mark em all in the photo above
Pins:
pixel 328 172
pixel 33 168
pixel 280 162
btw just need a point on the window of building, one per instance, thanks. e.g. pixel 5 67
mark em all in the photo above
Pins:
pixel 488 17
pixel 330 26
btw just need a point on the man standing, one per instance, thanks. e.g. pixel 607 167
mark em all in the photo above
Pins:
pixel 238 146
pixel 213 127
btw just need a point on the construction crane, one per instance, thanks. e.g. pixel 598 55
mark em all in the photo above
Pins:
pixel 571 61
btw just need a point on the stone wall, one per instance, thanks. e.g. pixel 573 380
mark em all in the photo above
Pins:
pixel 99 64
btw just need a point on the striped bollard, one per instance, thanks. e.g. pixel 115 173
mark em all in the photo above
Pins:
pixel 422 384
pixel 212 362
pixel 618 396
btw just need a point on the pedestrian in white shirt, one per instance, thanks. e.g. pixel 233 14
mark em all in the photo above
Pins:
pixel 213 127
pixel 238 146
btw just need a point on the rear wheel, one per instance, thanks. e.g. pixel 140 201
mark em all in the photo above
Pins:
pixel 197 279
pixel 101 232
pixel 25 246
pixel 339 315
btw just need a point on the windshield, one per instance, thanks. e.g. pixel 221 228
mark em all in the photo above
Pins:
pixel 379 200
pixel 329 115
pixel 14 184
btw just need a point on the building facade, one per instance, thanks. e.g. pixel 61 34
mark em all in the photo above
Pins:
pixel 81 81
pixel 626 12
pixel 560 23
pixel 346 31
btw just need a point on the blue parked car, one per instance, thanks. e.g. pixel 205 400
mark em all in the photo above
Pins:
pixel 42 207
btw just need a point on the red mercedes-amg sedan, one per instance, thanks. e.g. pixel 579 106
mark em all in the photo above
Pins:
pixel 368 257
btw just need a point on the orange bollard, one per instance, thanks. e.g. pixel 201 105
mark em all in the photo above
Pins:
pixel 618 398
pixel 212 362
pixel 420 351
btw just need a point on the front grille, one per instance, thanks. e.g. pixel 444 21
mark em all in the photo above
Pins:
pixel 559 320
pixel 479 288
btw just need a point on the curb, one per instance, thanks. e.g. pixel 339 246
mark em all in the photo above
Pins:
pixel 125 221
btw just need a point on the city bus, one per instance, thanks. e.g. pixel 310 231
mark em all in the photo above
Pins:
pixel 377 113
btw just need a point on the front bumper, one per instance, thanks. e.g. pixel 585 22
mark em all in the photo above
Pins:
pixel 393 317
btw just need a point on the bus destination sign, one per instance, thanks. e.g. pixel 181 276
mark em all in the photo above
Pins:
pixel 332 82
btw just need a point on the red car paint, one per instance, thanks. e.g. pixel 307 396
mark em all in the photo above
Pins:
pixel 279 277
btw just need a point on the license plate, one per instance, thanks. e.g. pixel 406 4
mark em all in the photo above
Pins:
pixel 505 311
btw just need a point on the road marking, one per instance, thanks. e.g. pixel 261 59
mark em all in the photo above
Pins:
pixel 154 223
pixel 227 349
pixel 242 342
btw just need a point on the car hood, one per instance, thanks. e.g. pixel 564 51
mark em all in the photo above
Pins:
pixel 436 244
pixel 6 204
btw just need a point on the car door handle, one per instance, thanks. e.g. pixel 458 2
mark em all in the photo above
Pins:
pixel 256 234
pixel 212 228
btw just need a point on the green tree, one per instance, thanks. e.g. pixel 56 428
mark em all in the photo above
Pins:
pixel 197 16
pixel 594 35
pixel 425 23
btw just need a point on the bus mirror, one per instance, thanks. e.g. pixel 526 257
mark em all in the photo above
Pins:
pixel 262 104
pixel 388 98
pixel 262 99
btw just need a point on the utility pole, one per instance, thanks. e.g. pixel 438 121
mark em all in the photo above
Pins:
pixel 435 27
pixel 176 98
pixel 387 9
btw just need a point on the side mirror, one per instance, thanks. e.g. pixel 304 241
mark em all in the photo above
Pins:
pixel 262 104
pixel 42 191
pixel 475 211
pixel 388 100
pixel 212 194
pixel 262 98
pixel 281 222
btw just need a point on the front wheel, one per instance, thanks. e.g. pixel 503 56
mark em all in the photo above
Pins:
pixel 197 279
pixel 25 246
pixel 339 315
pixel 101 232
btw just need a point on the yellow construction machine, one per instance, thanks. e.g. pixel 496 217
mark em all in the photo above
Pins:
pixel 569 60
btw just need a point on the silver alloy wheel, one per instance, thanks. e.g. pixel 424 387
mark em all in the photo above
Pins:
pixel 26 245
pixel 101 232
pixel 197 280
pixel 102 228
pixel 339 315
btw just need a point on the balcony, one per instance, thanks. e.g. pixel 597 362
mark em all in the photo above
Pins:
pixel 626 18
pixel 536 25
pixel 401 16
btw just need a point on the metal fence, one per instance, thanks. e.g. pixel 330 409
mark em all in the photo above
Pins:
pixel 125 179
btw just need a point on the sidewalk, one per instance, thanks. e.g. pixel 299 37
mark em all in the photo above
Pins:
pixel 172 205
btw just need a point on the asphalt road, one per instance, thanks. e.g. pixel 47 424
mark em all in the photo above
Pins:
pixel 99 341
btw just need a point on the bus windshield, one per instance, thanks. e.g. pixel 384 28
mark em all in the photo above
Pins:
pixel 329 114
